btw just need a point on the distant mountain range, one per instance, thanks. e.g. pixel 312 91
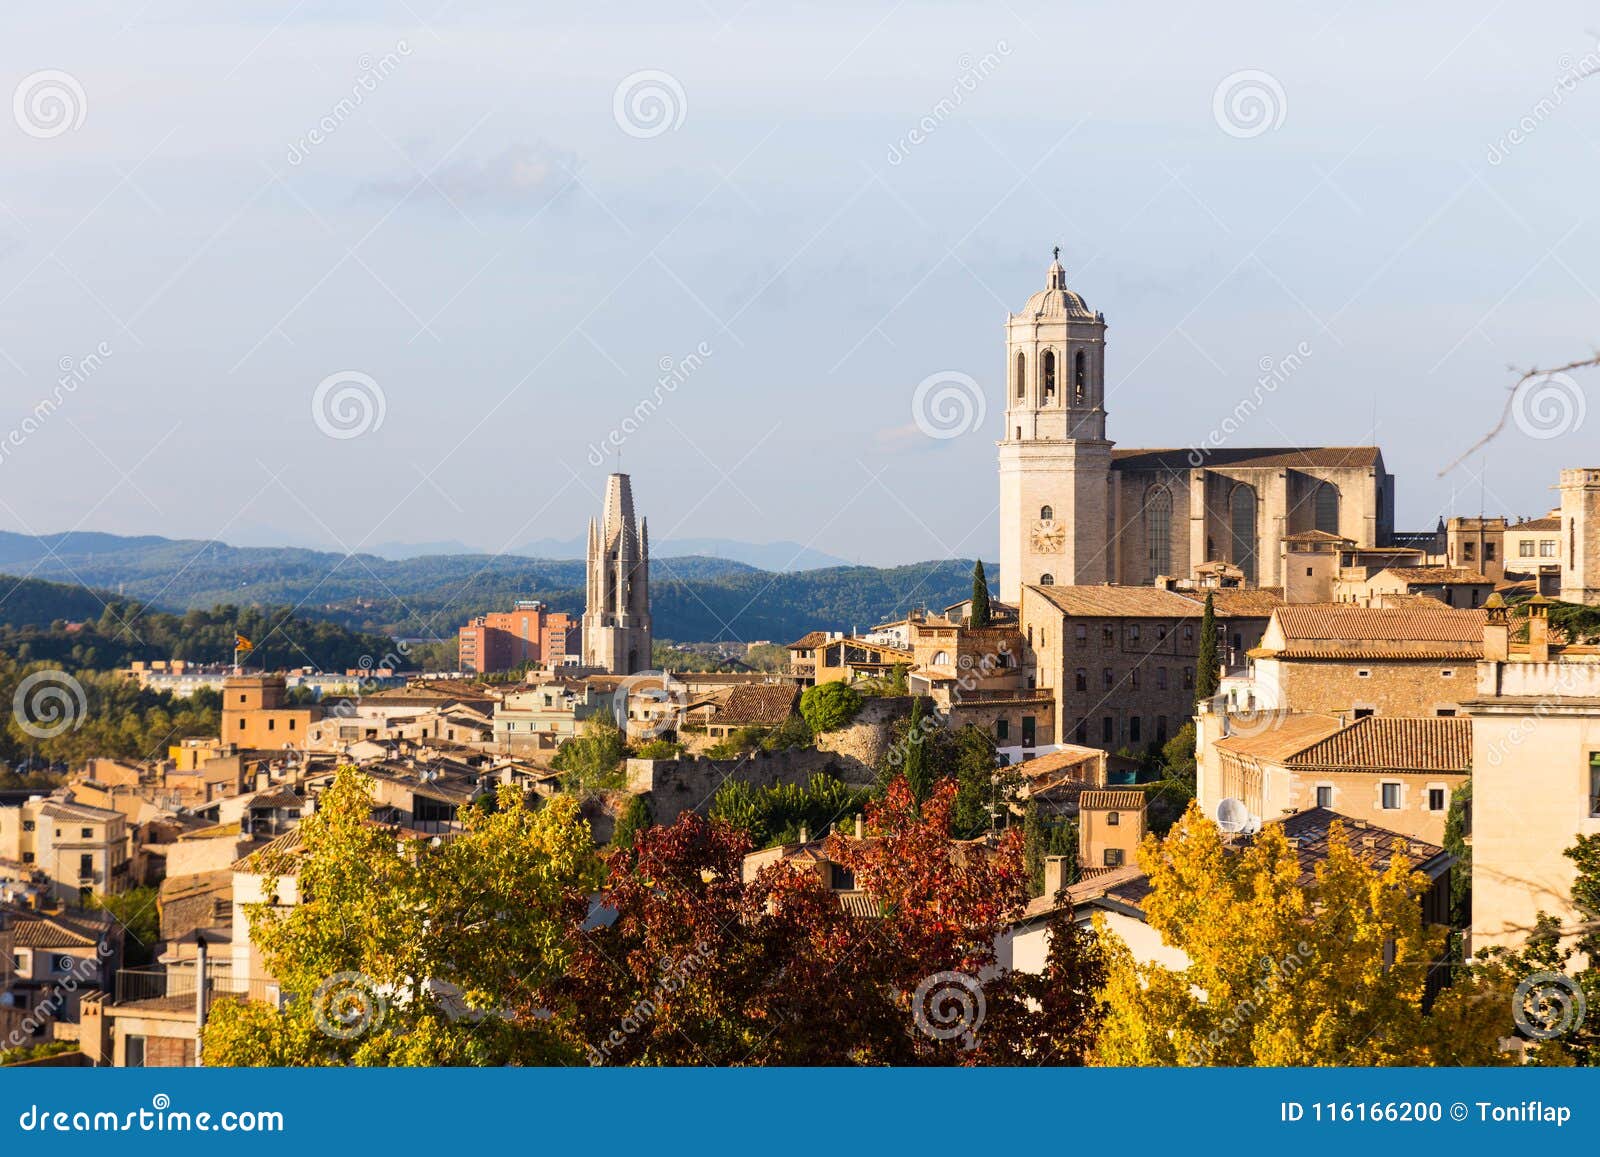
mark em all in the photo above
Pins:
pixel 695 598
pixel 774 556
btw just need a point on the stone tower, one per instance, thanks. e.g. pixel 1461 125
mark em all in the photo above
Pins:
pixel 616 618
pixel 1580 528
pixel 1055 462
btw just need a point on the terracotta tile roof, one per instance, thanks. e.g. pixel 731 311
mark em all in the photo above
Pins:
pixel 810 641
pixel 859 904
pixel 279 798
pixel 1119 602
pixel 1386 743
pixel 1239 602
pixel 1112 800
pixel 1270 458
pixel 1287 735
pixel 1538 524
pixel 280 857
pixel 1436 575
pixel 1325 622
pixel 761 704
pixel 41 930
pixel 1309 831
pixel 66 810
pixel 1316 536
pixel 1070 756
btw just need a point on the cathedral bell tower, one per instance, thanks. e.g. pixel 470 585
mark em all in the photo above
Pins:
pixel 1055 461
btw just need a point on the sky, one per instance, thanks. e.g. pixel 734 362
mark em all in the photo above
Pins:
pixel 348 274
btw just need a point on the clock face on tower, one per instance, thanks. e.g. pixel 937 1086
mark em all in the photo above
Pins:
pixel 1049 536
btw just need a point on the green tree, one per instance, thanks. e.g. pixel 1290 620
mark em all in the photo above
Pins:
pixel 976 773
pixel 915 764
pixel 1177 756
pixel 591 761
pixel 1457 844
pixel 634 819
pixel 1208 666
pixel 135 910
pixel 980 596
pixel 401 952
pixel 829 706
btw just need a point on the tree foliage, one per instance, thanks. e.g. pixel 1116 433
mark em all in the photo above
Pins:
pixel 404 952
pixel 980 597
pixel 1284 974
pixel 829 706
pixel 592 759
pixel 1208 664
pixel 775 815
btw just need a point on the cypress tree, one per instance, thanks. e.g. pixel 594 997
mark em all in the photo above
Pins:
pixel 918 777
pixel 980 596
pixel 1206 676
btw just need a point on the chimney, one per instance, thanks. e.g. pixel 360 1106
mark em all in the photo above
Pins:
pixel 805 834
pixel 1538 629
pixel 1496 631
pixel 1055 875
pixel 861 827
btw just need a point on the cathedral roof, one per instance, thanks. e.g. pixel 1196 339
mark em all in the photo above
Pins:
pixel 1272 458
pixel 1055 300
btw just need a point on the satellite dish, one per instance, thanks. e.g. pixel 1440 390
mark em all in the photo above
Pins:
pixel 1253 827
pixel 1232 815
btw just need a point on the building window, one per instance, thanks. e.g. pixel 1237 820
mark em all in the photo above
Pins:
pixel 1363 674
pixel 1046 513
pixel 1108 636
pixel 1488 552
pixel 1049 383
pixel 1082 679
pixel 1108 729
pixel 1158 531
pixel 1547 548
pixel 27 825
pixel 941 658
pixel 1325 796
pixel 1594 784
pixel 1081 633
pixel 1188 678
pixel 87 833
pixel 1325 508
pixel 1080 376
pixel 1188 632
pixel 1242 530
pixel 1436 799
pixel 1525 548
pixel 1390 797
pixel 1469 552
pixel 1022 373
pixel 1161 678
pixel 1113 857
pixel 1133 632
pixel 1113 819
pixel 1107 678
pixel 1133 678
pixel 1047 580
pixel 844 879
pixel 133 1057
pixel 1002 729
pixel 1133 729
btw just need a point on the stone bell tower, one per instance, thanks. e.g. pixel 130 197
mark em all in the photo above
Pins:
pixel 616 617
pixel 1055 461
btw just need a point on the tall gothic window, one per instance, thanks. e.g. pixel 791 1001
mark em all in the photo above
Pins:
pixel 1049 375
pixel 1242 530
pixel 1325 508
pixel 1158 530
pixel 1022 373
pixel 1080 377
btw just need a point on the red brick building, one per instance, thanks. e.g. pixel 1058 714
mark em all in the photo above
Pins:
pixel 529 633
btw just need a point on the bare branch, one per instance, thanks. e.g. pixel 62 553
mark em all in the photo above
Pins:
pixel 1511 397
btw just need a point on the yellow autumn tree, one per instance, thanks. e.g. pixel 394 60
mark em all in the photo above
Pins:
pixel 411 951
pixel 1329 971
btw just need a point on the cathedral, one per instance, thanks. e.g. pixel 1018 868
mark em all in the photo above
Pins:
pixel 1076 510
pixel 616 617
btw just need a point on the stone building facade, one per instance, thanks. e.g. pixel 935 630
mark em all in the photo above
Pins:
pixel 1580 519
pixel 1075 511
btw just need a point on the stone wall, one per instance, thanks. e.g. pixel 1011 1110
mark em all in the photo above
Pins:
pixel 1383 686
pixel 688 784
pixel 861 746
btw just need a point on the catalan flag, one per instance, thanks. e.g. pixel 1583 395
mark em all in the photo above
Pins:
pixel 242 645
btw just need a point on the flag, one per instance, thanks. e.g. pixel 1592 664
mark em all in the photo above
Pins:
pixel 242 645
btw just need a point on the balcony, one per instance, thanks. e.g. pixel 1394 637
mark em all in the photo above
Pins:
pixel 173 991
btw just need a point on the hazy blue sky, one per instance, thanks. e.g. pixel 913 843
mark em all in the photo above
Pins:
pixel 482 238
